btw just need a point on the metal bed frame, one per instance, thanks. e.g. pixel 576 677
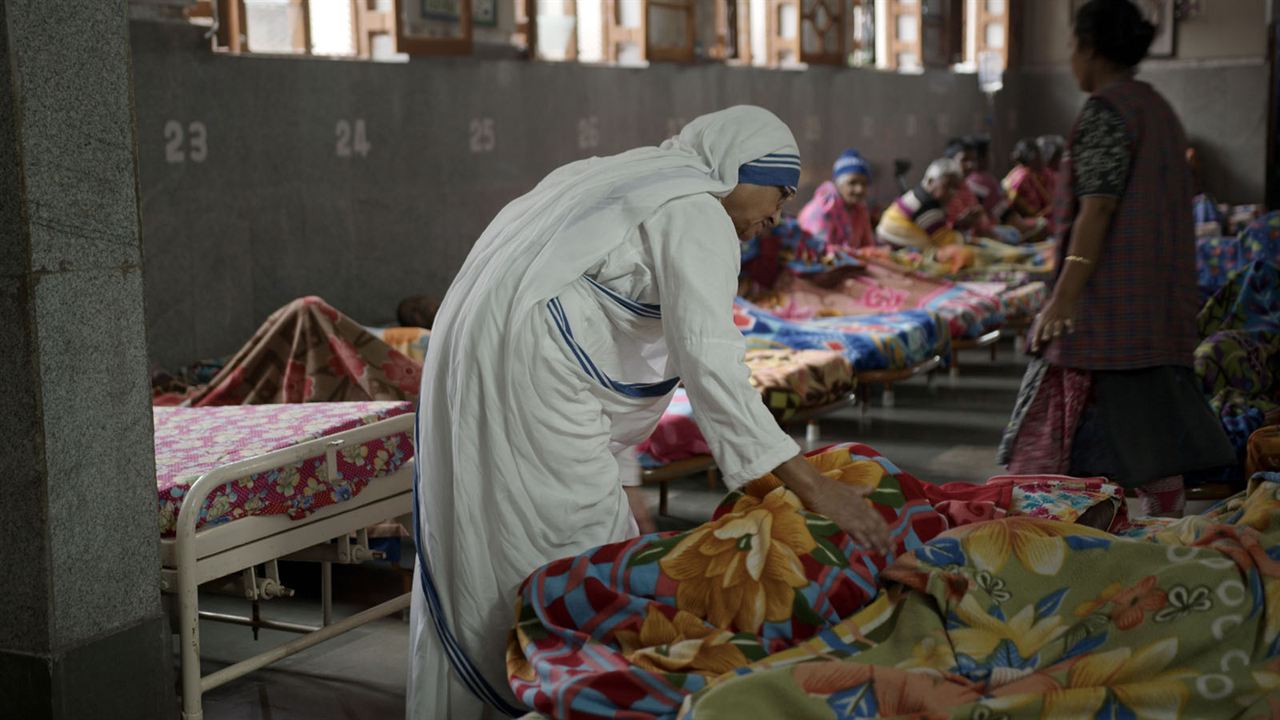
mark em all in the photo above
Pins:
pixel 194 557
pixel 889 377
pixel 988 340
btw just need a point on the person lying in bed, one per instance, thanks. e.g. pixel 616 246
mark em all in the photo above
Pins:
pixel 557 347
pixel 918 219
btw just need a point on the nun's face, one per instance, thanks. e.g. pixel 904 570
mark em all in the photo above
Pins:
pixel 754 209
pixel 853 188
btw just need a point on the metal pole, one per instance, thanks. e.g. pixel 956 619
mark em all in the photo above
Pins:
pixel 293 647
pixel 326 593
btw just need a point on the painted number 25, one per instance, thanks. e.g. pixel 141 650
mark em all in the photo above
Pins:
pixel 185 143
pixel 352 138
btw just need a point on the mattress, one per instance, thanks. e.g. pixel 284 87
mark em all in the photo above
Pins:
pixel 788 381
pixel 879 289
pixel 888 341
pixel 192 441
pixel 1017 302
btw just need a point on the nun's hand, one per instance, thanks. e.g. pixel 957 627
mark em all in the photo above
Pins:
pixel 848 508
pixel 845 505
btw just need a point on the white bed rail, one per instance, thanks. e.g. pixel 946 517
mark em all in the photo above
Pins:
pixel 187 557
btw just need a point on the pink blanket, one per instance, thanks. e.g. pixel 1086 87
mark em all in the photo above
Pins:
pixel 192 441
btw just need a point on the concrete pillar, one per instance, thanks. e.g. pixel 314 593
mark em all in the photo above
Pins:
pixel 81 629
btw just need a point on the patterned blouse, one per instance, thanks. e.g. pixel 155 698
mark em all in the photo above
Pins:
pixel 1101 152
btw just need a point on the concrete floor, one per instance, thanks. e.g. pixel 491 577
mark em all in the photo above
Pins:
pixel 942 433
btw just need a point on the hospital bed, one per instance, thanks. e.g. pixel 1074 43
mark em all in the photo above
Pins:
pixel 324 472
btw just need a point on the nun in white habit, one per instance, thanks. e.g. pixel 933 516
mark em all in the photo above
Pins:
pixel 554 354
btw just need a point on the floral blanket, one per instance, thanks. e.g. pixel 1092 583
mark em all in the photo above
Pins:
pixel 307 351
pixel 870 342
pixel 1017 302
pixel 1030 618
pixel 993 261
pixel 193 441
pixel 877 288
pixel 1219 257
pixel 630 629
pixel 1238 361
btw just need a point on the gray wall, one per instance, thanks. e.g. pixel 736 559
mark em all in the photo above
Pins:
pixel 271 213
pixel 1217 82
pixel 1222 105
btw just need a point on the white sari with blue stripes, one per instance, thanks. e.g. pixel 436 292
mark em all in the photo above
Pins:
pixel 554 354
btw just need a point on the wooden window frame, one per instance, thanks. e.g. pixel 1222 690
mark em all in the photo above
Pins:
pixel 739 52
pixel 615 34
pixel 683 54
pixel 837 18
pixel 427 47
pixel 232 30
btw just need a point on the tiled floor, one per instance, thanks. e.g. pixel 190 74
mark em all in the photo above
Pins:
pixel 941 432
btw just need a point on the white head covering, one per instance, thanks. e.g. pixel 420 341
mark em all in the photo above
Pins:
pixel 579 213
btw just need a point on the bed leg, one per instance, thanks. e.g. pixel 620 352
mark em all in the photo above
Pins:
pixel 887 398
pixel 1018 343
pixel 189 644
pixel 864 411
pixel 995 352
pixel 326 593
pixel 812 434
pixel 953 374
pixel 662 497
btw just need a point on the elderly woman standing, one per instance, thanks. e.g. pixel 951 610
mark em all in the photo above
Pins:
pixel 555 352
pixel 1113 393
pixel 838 215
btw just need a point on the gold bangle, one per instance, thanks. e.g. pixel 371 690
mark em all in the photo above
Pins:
pixel 1079 259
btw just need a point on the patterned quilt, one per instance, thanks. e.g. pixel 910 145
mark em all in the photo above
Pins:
pixel 1029 618
pixel 634 628
pixel 870 342
pixel 792 380
pixel 1017 302
pixel 879 288
pixel 992 261
pixel 1238 362
pixel 1217 258
pixel 630 629
pixel 192 441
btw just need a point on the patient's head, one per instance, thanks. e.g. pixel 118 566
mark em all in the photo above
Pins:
pixel 417 311
pixel 1027 154
pixel 1051 149
pixel 964 151
pixel 942 179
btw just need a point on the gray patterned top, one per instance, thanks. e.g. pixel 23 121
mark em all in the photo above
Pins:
pixel 1101 153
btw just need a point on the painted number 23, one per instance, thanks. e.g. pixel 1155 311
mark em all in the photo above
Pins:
pixel 185 143
pixel 353 139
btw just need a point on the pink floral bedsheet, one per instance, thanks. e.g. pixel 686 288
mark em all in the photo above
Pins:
pixel 192 441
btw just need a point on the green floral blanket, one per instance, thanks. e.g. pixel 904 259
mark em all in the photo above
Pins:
pixel 1028 618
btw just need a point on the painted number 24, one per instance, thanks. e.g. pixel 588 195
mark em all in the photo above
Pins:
pixel 352 138
pixel 185 143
